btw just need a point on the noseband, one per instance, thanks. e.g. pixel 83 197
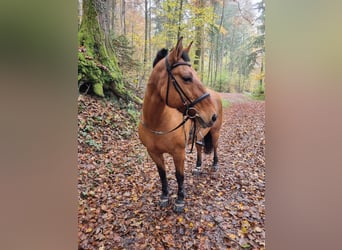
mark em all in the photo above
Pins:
pixel 188 104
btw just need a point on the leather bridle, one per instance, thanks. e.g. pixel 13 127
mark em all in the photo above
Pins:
pixel 187 102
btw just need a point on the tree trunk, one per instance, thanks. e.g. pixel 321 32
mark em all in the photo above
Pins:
pixel 168 40
pixel 146 31
pixel 123 17
pixel 97 67
pixel 198 40
pixel 80 12
pixel 209 64
pixel 180 19
pixel 211 51
pixel 239 83
pixel 113 15
pixel 261 72
pixel 202 52
pixel 150 31
pixel 218 45
pixel 101 12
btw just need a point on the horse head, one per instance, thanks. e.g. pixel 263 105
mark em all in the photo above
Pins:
pixel 180 86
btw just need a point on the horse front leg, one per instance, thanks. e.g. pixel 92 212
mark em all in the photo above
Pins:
pixel 159 160
pixel 164 198
pixel 179 164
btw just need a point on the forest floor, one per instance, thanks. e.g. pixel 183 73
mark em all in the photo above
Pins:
pixel 119 186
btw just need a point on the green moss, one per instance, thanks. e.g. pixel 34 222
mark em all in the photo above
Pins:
pixel 98 89
pixel 94 63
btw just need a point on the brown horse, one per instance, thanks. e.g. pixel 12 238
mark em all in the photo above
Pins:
pixel 174 95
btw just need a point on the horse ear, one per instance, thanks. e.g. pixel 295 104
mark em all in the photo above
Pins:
pixel 187 50
pixel 176 53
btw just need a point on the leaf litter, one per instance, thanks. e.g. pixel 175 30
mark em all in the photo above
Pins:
pixel 119 186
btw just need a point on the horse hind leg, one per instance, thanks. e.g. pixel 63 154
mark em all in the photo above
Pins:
pixel 215 144
pixel 197 169
pixel 159 160
pixel 215 160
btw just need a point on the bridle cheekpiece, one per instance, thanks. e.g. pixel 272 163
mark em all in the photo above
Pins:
pixel 188 104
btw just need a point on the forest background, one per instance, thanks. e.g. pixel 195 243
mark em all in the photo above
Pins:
pixel 303 83
pixel 118 40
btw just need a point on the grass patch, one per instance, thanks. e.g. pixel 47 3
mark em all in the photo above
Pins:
pixel 259 96
pixel 225 103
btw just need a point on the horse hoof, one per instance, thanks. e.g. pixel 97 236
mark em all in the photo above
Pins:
pixel 215 167
pixel 179 207
pixel 164 202
pixel 196 171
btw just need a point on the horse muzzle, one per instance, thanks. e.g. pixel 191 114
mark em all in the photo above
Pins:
pixel 206 124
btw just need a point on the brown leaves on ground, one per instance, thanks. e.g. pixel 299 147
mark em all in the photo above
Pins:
pixel 119 186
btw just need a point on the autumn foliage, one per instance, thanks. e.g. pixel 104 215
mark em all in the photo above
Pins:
pixel 119 186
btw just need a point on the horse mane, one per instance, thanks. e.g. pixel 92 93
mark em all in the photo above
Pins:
pixel 160 55
pixel 163 53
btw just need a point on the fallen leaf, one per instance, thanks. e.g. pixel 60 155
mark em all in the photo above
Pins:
pixel 119 186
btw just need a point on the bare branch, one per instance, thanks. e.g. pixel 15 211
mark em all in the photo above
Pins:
pixel 251 22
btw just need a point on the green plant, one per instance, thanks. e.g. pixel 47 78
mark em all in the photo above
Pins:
pixel 225 103
pixel 259 93
pixel 93 143
pixel 133 112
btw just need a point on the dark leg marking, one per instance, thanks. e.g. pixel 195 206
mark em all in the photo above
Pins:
pixel 164 198
pixel 197 169
pixel 179 205
pixel 215 161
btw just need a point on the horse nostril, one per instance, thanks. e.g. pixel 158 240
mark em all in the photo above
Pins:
pixel 214 117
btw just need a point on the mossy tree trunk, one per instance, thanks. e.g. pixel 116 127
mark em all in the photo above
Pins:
pixel 97 66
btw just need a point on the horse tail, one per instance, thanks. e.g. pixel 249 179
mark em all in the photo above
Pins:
pixel 208 143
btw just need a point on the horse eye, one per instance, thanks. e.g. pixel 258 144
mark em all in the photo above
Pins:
pixel 187 79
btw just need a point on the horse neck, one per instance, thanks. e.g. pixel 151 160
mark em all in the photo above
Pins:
pixel 153 107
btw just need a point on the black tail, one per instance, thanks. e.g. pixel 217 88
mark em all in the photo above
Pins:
pixel 208 143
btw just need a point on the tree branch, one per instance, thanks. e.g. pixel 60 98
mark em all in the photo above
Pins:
pixel 244 17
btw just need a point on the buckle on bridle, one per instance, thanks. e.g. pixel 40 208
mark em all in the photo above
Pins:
pixel 191 112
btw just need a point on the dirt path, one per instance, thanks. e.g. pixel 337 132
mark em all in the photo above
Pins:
pixel 235 97
pixel 119 188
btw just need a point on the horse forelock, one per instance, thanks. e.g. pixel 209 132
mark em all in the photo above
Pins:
pixel 163 53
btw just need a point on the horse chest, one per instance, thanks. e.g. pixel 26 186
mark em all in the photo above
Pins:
pixel 162 143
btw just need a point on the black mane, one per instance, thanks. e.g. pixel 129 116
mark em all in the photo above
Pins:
pixel 163 52
pixel 160 55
